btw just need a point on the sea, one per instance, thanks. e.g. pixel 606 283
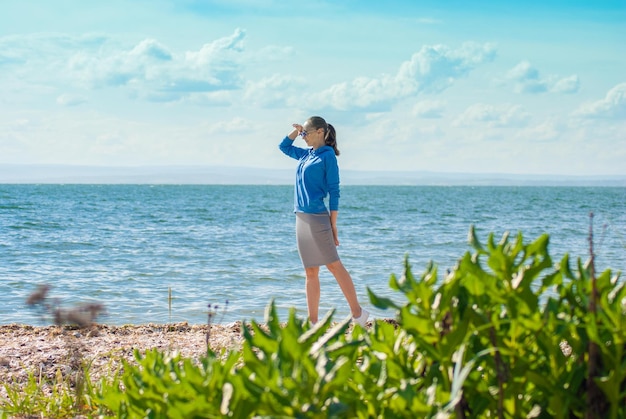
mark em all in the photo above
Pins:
pixel 177 253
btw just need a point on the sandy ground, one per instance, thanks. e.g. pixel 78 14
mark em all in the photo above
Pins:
pixel 49 350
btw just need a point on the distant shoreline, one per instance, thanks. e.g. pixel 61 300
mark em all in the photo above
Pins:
pixel 227 175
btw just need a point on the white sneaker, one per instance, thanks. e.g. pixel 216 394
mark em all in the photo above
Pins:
pixel 362 319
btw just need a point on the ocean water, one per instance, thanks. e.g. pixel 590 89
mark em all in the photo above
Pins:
pixel 127 246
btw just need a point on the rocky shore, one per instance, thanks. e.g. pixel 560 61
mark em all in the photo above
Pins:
pixel 47 351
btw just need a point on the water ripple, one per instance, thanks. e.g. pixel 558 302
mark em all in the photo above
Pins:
pixel 128 245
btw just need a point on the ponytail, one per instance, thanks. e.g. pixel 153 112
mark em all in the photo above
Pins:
pixel 331 138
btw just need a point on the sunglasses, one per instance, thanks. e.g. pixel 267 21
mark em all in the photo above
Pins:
pixel 304 133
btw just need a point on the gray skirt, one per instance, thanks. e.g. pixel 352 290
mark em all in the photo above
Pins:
pixel 314 235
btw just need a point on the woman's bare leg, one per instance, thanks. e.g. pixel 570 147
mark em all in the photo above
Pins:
pixel 347 286
pixel 313 292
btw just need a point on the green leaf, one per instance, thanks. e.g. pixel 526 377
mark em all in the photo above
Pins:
pixel 473 240
pixel 610 386
pixel 332 334
pixel 271 318
pixel 565 268
pixel 539 246
pixel 318 330
pixel 474 285
pixel 381 302
pixel 260 339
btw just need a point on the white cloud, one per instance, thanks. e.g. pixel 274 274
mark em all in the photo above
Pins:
pixel 39 47
pixel 612 106
pixel 148 69
pixel 220 98
pixel 547 130
pixel 275 90
pixel 217 53
pixel 22 123
pixel 526 79
pixel 493 116
pixel 70 100
pixel 235 125
pixel 432 69
pixel 429 109
pixel 569 84
pixel 274 52
pixel 39 61
pixel 436 67
pixel 151 49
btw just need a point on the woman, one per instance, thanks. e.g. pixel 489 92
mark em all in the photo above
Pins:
pixel 317 176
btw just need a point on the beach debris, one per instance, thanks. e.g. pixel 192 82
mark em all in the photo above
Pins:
pixel 81 315
pixel 39 295
pixel 212 312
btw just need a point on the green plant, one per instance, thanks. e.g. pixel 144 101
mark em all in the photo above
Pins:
pixel 295 370
pixel 64 399
pixel 522 325
pixel 289 370
pixel 168 386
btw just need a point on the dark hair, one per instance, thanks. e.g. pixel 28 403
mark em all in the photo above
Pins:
pixel 330 136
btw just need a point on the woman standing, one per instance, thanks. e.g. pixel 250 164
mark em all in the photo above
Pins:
pixel 317 176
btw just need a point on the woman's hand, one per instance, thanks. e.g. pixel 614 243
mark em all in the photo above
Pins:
pixel 333 226
pixel 335 234
pixel 297 129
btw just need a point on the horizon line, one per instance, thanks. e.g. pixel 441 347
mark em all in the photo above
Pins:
pixel 238 175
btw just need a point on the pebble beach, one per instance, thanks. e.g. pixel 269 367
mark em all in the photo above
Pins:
pixel 46 351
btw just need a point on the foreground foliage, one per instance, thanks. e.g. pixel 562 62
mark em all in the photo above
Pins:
pixel 507 333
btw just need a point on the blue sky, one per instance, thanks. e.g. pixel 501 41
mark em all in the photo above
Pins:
pixel 534 87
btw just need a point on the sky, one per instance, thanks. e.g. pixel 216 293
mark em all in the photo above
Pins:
pixel 526 87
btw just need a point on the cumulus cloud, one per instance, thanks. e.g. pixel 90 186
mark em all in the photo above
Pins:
pixel 429 109
pixel 493 116
pixel 274 90
pixel 612 106
pixel 272 53
pixel 41 58
pixel 217 53
pixel 149 69
pixel 156 72
pixel 569 84
pixel 235 125
pixel 526 79
pixel 547 130
pixel 432 69
pixel 43 45
pixel 150 48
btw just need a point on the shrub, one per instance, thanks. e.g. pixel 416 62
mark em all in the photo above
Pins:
pixel 507 335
